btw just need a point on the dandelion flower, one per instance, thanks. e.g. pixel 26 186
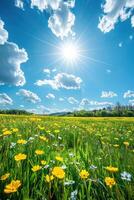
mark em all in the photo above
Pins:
pixel 84 174
pixel 21 141
pixel 39 152
pixel 112 169
pixel 5 176
pixel 12 187
pixel 58 172
pixel 49 178
pixel 36 168
pixel 20 157
pixel 110 181
pixel 58 158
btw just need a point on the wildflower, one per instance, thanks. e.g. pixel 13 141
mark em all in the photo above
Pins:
pixel 5 133
pixel 21 141
pixel 20 157
pixel 5 176
pixel 12 187
pixel 58 158
pixel 126 144
pixel 126 176
pixel 49 178
pixel 36 168
pixel 43 138
pixel 110 181
pixel 58 172
pixel 12 145
pixel 93 167
pixel 84 174
pixel 15 130
pixel 116 145
pixel 112 169
pixel 43 162
pixel 74 195
pixel 69 183
pixel 39 152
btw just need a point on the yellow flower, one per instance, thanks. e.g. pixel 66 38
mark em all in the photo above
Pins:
pixel 110 181
pixel 39 152
pixel 126 144
pixel 43 162
pixel 112 169
pixel 21 141
pixel 36 168
pixel 58 172
pixel 116 145
pixel 7 133
pixel 59 158
pixel 43 138
pixel 49 178
pixel 84 174
pixel 12 187
pixel 57 131
pixel 20 156
pixel 4 177
pixel 15 130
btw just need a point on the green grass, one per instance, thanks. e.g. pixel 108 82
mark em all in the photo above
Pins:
pixel 81 142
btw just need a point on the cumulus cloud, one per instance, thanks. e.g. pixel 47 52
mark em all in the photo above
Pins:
pixel 86 102
pixel 62 80
pixel 101 103
pixel 61 99
pixel 115 11
pixel 50 96
pixel 131 102
pixel 11 58
pixel 72 100
pixel 61 18
pixel 129 94
pixel 47 71
pixel 19 4
pixel 3 33
pixel 108 94
pixel 5 99
pixel 28 96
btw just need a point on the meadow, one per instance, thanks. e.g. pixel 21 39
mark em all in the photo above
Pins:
pixel 60 158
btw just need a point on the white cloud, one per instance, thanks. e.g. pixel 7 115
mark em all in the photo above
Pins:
pixel 131 102
pixel 3 33
pixel 28 96
pixel 120 44
pixel 108 71
pixel 47 71
pixel 115 11
pixel 102 104
pixel 5 99
pixel 132 21
pixel 62 80
pixel 19 4
pixel 50 96
pixel 84 102
pixel 61 99
pixel 61 18
pixel 108 94
pixel 131 37
pixel 72 100
pixel 129 94
pixel 11 58
pixel 61 21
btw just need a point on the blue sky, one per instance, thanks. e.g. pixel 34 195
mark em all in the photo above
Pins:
pixel 35 73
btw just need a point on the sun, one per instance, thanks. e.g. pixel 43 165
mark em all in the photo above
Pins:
pixel 70 52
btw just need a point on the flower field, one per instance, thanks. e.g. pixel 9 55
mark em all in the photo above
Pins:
pixel 43 158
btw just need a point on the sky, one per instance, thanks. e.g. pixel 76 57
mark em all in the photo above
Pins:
pixel 65 55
